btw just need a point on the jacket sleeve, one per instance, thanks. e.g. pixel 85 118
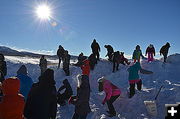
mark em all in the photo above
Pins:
pixel 108 91
pixel 154 51
pixel 133 57
pixel 99 48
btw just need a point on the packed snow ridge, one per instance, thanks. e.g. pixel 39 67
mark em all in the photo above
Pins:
pixel 166 74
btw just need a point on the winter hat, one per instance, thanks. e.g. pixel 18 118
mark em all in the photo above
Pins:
pixel 100 80
pixel 137 47
pixel 22 70
pixel 150 45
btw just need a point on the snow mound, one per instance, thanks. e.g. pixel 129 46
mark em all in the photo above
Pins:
pixel 164 74
pixel 175 58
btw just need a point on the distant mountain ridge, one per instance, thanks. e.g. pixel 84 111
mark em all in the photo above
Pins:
pixel 11 52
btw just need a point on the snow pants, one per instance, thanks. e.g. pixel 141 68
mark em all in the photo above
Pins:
pixel 110 104
pixel 77 116
pixel 96 53
pixel 132 87
pixel 66 70
pixel 115 66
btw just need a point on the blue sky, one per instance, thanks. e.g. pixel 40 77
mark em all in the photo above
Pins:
pixel 121 23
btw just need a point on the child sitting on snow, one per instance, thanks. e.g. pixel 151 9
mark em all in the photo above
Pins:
pixel 134 77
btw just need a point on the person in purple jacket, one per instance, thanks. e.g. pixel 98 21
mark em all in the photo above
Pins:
pixel 112 93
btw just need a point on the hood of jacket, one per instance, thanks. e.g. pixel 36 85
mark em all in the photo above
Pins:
pixel 11 86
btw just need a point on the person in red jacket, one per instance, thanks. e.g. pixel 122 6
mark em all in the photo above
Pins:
pixel 85 67
pixel 12 103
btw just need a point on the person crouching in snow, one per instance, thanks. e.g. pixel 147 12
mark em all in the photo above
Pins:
pixel 137 54
pixel 150 51
pixel 62 97
pixel 12 103
pixel 134 77
pixel 81 100
pixel 112 93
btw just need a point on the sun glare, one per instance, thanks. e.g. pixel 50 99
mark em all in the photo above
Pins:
pixel 43 12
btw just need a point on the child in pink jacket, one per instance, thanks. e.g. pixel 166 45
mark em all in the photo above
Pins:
pixel 112 93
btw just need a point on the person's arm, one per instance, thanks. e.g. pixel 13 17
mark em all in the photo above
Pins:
pixel 108 91
pixel 99 48
pixel 154 51
pixel 61 88
pixel 146 51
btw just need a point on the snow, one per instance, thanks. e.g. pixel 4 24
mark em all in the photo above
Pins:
pixel 164 74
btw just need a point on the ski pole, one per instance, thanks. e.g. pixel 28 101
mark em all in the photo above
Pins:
pixel 158 92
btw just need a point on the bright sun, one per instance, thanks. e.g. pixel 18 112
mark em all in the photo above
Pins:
pixel 43 12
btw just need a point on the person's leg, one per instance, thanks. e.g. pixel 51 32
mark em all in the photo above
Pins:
pixel 117 66
pixel 134 60
pixel 110 105
pixel 149 56
pixel 97 56
pixel 114 66
pixel 59 62
pixel 139 85
pixel 131 90
pixel 75 116
pixel 165 57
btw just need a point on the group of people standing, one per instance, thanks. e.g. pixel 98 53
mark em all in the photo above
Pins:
pixel 20 98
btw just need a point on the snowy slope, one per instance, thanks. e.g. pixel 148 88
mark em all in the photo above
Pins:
pixel 134 108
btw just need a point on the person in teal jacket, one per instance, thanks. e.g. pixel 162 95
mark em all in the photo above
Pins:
pixel 134 77
pixel 137 54
pixel 25 81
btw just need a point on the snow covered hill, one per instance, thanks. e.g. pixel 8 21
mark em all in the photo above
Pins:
pixel 167 75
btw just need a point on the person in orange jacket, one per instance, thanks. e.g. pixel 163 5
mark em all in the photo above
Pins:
pixel 12 103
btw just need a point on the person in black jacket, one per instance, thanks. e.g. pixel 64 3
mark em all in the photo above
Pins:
pixel 67 93
pixel 110 52
pixel 42 99
pixel 95 49
pixel 81 100
pixel 66 63
pixel 81 58
pixel 3 68
pixel 43 64
pixel 164 50
pixel 116 60
pixel 60 54
pixel 92 61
